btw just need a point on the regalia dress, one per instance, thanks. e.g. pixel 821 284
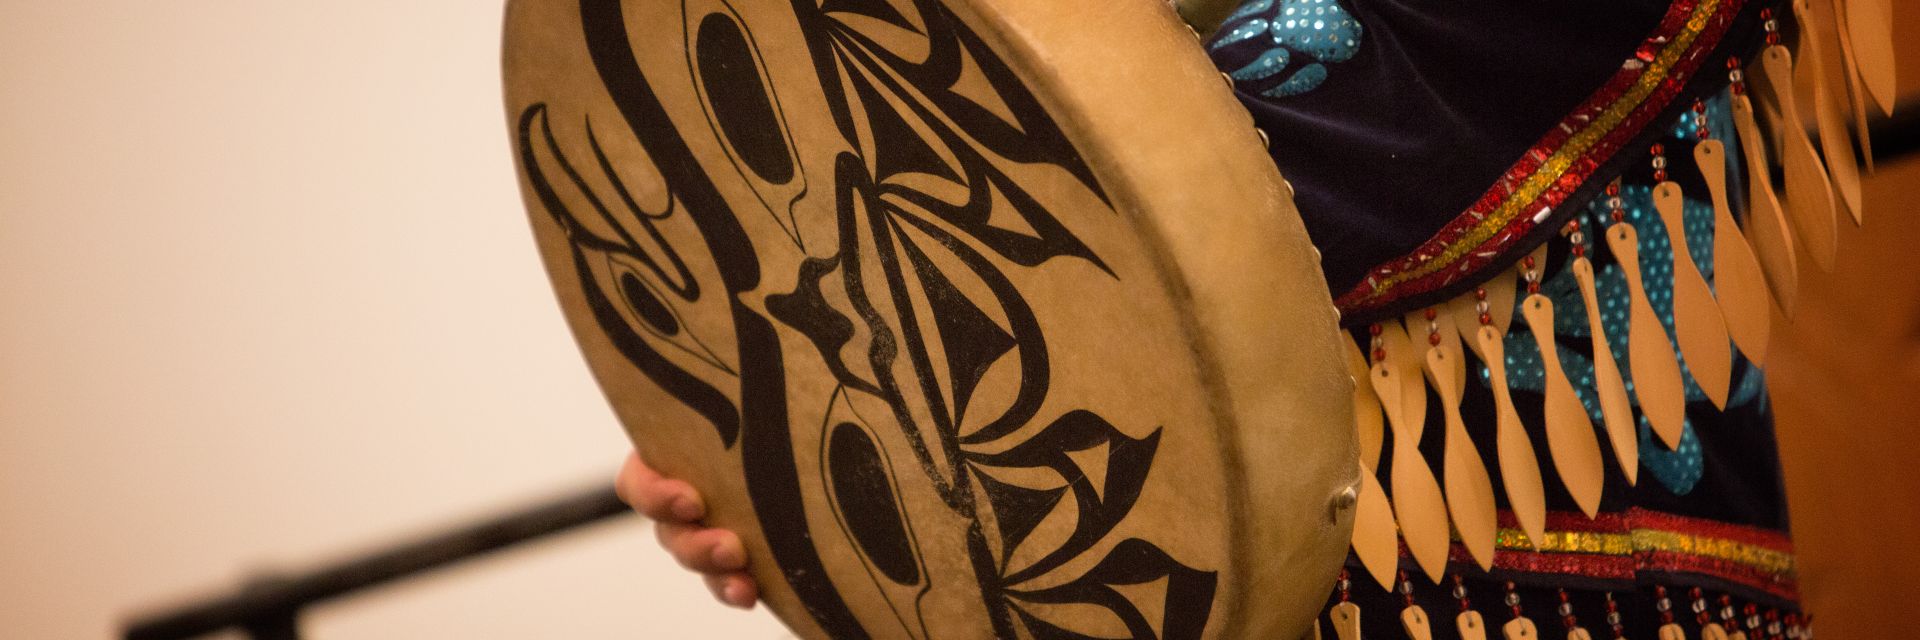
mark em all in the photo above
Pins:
pixel 1556 232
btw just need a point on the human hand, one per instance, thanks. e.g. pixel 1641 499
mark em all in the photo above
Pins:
pixel 677 511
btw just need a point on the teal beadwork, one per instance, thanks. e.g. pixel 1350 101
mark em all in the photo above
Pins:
pixel 1304 36
pixel 1266 66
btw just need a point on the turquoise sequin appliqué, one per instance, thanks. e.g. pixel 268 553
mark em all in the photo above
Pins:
pixel 1301 37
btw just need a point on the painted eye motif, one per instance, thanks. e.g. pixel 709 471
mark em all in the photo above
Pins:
pixel 863 492
pixel 646 303
pixel 740 103
pixel 739 100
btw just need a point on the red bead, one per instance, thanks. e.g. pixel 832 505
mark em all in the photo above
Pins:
pixel 1432 313
pixel 1480 293
pixel 1533 287
pixel 1613 188
pixel 1579 251
pixel 1375 330
pixel 1379 354
pixel 1433 338
pixel 1527 261
pixel 1659 149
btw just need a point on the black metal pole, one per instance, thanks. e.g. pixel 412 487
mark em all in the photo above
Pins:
pixel 270 608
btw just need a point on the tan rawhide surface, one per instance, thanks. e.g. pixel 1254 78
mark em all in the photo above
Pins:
pixel 971 324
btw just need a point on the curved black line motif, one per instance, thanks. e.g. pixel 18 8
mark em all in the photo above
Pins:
pixel 764 150
pixel 908 305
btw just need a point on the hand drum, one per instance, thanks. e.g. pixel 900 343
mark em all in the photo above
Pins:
pixel 975 318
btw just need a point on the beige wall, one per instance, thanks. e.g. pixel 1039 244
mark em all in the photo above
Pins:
pixel 267 296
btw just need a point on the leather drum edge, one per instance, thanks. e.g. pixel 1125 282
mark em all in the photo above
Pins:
pixel 1179 164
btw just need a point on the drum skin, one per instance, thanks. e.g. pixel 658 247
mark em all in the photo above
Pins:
pixel 974 318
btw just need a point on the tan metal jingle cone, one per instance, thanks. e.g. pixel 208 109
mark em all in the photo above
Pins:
pixel 1855 97
pixel 1406 360
pixel 1520 629
pixel 1414 620
pixel 1346 621
pixel 1471 625
pixel 1810 201
pixel 1698 326
pixel 1418 503
pixel 1376 539
pixel 1767 226
pixel 1616 407
pixel 1738 282
pixel 1870 23
pixel 1469 489
pixel 1570 438
pixel 1656 372
pixel 1519 466
pixel 1818 44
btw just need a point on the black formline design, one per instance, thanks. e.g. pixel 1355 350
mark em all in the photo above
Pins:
pixel 925 249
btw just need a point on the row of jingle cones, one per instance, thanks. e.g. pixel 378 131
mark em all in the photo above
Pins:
pixel 1751 268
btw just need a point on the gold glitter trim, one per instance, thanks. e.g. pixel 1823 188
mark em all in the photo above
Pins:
pixel 1562 159
pixel 1650 541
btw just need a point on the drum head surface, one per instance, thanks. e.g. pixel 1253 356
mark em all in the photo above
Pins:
pixel 975 318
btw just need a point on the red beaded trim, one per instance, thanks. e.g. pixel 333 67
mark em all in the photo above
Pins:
pixel 1508 211
pixel 1630 565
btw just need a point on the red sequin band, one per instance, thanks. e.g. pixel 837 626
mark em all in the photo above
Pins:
pixel 1624 546
pixel 1560 163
